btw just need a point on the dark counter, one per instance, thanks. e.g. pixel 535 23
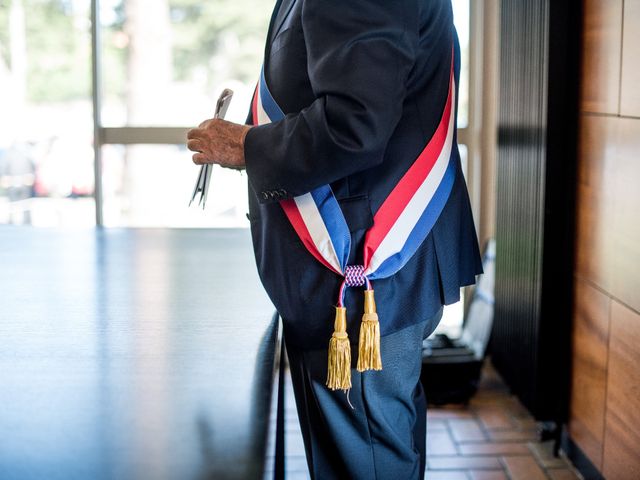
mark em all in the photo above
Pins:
pixel 133 354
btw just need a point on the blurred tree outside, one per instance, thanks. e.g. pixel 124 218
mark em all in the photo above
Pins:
pixel 215 39
pixel 152 48
pixel 163 61
pixel 48 45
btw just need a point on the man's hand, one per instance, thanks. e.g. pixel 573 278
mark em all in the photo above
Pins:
pixel 218 141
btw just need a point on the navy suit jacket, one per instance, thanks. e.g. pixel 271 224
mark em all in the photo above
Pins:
pixel 363 84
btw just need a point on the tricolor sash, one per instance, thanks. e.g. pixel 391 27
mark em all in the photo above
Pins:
pixel 399 227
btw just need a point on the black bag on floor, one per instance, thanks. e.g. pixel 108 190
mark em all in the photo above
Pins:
pixel 451 367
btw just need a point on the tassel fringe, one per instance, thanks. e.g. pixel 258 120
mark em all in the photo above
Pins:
pixel 369 342
pixel 339 363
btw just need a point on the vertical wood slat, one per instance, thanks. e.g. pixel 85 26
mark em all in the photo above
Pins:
pixel 608 212
pixel 595 200
pixel 602 27
pixel 589 367
pixel 622 434
pixel 626 222
pixel 608 243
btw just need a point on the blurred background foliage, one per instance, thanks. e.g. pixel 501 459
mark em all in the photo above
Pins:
pixel 54 42
pixel 162 63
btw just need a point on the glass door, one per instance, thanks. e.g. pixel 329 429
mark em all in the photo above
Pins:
pixel 163 64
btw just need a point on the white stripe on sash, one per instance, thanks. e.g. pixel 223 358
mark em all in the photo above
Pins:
pixel 317 229
pixel 398 234
pixel 263 118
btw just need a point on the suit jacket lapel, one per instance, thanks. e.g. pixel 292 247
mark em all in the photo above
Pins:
pixel 279 15
pixel 283 12
pixel 272 22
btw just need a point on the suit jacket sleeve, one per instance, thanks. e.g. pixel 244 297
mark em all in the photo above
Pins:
pixel 359 55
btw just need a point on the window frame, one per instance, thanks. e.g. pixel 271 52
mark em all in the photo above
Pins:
pixel 468 135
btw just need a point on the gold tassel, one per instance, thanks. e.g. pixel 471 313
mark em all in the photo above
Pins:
pixel 339 368
pixel 369 344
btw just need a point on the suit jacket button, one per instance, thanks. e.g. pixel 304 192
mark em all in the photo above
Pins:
pixel 265 195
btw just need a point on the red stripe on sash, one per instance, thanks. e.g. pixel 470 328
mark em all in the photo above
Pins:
pixel 295 218
pixel 254 105
pixel 399 198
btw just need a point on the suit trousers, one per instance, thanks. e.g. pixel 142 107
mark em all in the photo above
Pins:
pixel 378 430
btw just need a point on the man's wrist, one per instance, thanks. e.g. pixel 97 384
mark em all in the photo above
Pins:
pixel 243 138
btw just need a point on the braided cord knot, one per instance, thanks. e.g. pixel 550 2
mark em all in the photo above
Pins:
pixel 354 276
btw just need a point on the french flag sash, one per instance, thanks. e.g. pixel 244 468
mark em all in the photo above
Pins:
pixel 399 226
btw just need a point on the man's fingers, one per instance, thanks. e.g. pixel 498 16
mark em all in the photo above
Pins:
pixel 199 158
pixel 194 133
pixel 194 145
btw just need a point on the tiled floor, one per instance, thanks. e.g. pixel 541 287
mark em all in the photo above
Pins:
pixel 493 438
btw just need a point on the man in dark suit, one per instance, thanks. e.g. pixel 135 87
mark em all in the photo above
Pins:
pixel 362 85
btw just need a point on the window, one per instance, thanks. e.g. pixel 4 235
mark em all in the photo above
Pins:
pixel 452 317
pixel 461 20
pixel 185 53
pixel 151 185
pixel 165 67
pixel 46 129
pixel 160 70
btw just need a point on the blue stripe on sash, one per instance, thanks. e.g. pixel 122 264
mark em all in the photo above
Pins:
pixel 426 222
pixel 322 196
pixel 269 105
pixel 335 222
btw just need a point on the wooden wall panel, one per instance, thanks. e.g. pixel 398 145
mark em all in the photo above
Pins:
pixel 605 421
pixel 590 344
pixel 595 197
pixel 608 205
pixel 601 56
pixel 630 85
pixel 622 431
pixel 626 235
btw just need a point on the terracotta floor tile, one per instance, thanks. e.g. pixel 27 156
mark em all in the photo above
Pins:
pixel 495 419
pixel 523 468
pixel 499 448
pixel 440 414
pixel 487 475
pixel 562 474
pixel 460 407
pixel 513 435
pixel 436 425
pixel 543 451
pixel 524 423
pixel 467 430
pixel 517 409
pixel 446 475
pixel 466 462
pixel 440 443
pixel 486 397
